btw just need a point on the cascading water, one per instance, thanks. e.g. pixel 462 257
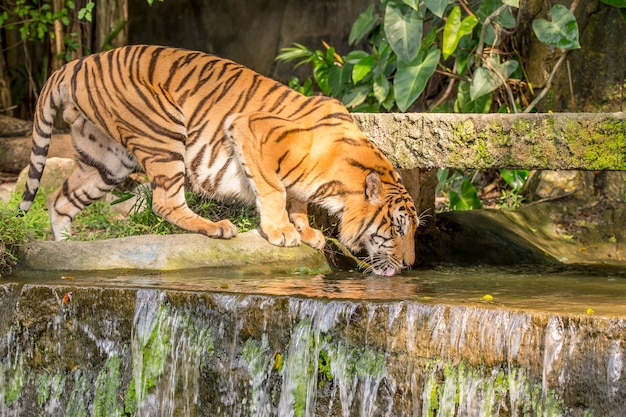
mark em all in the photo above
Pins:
pixel 154 352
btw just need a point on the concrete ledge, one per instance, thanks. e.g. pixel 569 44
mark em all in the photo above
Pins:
pixel 586 141
pixel 169 252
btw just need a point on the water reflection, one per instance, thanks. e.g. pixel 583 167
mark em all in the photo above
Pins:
pixel 577 289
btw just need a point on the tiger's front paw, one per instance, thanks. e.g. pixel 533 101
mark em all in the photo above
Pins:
pixel 223 229
pixel 313 237
pixel 282 236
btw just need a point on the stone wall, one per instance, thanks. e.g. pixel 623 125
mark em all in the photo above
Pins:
pixel 249 32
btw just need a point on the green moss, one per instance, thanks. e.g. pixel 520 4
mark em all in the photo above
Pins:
pixel 76 404
pixel 301 365
pixel 323 366
pixel 492 388
pixel 14 382
pixel 370 363
pixel 149 358
pixel 256 356
pixel 106 398
pixel 49 388
pixel 130 399
pixel 42 383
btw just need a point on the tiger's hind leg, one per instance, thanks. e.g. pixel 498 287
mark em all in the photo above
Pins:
pixel 165 168
pixel 299 216
pixel 101 163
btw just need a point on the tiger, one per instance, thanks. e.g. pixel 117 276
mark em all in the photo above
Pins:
pixel 194 121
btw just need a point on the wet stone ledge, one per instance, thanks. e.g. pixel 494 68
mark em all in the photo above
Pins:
pixel 151 352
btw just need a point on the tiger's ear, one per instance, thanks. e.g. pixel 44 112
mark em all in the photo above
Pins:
pixel 373 188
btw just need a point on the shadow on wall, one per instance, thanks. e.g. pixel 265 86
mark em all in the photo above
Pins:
pixel 250 33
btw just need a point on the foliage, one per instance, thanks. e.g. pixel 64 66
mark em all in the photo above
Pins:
pixel 413 47
pixel 43 35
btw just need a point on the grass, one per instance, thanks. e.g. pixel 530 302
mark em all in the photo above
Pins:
pixel 100 221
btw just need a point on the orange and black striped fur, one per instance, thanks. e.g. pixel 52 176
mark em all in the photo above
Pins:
pixel 189 119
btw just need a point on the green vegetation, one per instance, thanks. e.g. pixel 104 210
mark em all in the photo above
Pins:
pixel 106 397
pixel 439 55
pixel 99 221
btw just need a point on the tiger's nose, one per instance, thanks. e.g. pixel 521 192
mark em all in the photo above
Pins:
pixel 408 260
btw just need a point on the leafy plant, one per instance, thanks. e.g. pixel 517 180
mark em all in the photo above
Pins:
pixel 36 20
pixel 413 46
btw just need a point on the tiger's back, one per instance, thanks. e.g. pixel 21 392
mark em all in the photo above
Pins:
pixel 191 118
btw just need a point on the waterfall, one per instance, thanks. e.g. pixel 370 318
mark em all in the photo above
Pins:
pixel 153 352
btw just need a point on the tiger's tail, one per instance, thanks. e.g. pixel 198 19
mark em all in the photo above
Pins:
pixel 47 106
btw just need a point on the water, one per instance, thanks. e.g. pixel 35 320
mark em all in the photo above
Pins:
pixel 569 289
pixel 548 341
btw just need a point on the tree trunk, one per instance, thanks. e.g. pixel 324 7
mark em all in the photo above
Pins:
pixel 111 29
pixel 6 104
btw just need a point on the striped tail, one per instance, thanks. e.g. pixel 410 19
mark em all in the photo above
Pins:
pixel 45 112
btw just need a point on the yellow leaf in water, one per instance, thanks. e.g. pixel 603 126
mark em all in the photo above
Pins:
pixel 278 361
pixel 590 311
pixel 487 297
pixel 582 249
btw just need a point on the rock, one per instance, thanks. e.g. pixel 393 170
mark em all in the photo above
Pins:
pixel 554 184
pixel 56 171
pixel 6 190
pixel 170 252
pixel 12 127
pixel 566 231
pixel 15 151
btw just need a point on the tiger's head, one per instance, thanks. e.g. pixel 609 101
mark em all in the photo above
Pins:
pixel 383 222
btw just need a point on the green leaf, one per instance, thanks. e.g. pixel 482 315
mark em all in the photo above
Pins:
pixel 291 53
pixel 354 57
pixel 455 29
pixel 489 77
pixel 467 200
pixel 362 68
pixel 413 4
pixel 513 3
pixel 386 60
pixel 561 32
pixel 411 78
pixel 363 25
pixel 357 96
pixel 464 58
pixel 515 178
pixel 339 79
pixel 436 6
pixel 404 30
pixel 464 104
pixel 504 19
pixel 381 88
pixel 429 39
pixel 442 178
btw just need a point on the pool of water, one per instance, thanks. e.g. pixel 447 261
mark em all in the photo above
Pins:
pixel 577 289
